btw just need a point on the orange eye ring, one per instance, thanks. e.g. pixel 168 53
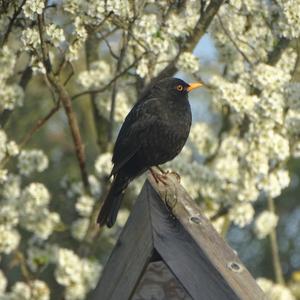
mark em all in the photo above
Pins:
pixel 179 88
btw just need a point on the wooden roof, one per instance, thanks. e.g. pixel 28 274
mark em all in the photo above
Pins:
pixel 167 223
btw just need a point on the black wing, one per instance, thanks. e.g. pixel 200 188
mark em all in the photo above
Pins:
pixel 142 116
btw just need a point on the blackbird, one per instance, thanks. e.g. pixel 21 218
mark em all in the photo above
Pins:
pixel 154 132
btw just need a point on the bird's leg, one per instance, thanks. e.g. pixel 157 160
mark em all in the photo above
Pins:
pixel 169 172
pixel 158 177
pixel 162 170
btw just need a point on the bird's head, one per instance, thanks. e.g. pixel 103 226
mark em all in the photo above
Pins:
pixel 175 88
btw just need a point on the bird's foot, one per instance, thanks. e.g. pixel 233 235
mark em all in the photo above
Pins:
pixel 178 178
pixel 159 178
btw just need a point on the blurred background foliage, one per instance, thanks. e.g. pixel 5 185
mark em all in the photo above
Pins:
pixel 63 177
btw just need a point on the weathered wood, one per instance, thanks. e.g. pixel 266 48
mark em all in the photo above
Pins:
pixel 194 251
pixel 159 283
pixel 129 257
pixel 200 260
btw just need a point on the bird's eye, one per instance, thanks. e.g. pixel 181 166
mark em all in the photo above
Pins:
pixel 179 88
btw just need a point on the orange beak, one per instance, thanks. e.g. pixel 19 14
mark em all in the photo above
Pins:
pixel 194 85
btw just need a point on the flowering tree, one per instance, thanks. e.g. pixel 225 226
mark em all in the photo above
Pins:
pixel 71 70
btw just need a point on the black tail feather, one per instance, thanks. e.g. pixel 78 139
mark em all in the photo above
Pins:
pixel 112 202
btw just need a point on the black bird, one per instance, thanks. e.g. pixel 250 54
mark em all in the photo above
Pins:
pixel 154 132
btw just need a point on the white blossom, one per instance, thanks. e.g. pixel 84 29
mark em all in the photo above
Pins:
pixel 3 175
pixel 99 74
pixel 146 28
pixel 35 290
pixel 188 62
pixel 35 197
pixel 75 292
pixel 44 225
pixel 32 160
pixel 103 165
pixel 39 256
pixel 69 268
pixel 20 291
pixel 274 291
pixel 32 8
pixel 9 239
pixel 120 8
pixel 79 228
pixel 280 292
pixel 30 38
pixel 95 186
pixel 142 68
pixel 3 140
pixel 265 223
pixel 11 96
pixel 265 284
pixel 12 148
pixel 55 34
pixel 7 62
pixel 85 205
pixel 289 21
pixel 12 188
pixel 275 183
pixel 292 121
pixel 266 76
pixel 122 107
pixel 8 215
pixel 241 214
pixel 76 274
pixel 3 283
pixel 204 138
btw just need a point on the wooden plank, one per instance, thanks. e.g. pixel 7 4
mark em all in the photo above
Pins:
pixel 183 256
pixel 129 257
pixel 159 283
pixel 201 260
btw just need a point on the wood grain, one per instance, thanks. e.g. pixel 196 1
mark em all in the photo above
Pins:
pixel 167 230
pixel 189 240
pixel 159 283
pixel 129 257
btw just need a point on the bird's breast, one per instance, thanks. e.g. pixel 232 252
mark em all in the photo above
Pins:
pixel 166 139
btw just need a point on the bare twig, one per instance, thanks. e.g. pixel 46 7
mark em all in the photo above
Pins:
pixel 11 22
pixel 65 99
pixel 39 124
pixel 114 87
pixel 233 41
pixel 274 247
pixel 44 48
pixel 21 262
pixel 102 89
pixel 199 30
pixel 275 55
pixel 297 60
pixel 24 80
pixel 100 122
pixel 112 53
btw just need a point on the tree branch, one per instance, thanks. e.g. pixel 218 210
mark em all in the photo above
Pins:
pixel 102 89
pixel 233 41
pixel 114 88
pixel 199 30
pixel 66 100
pixel 100 122
pixel 274 247
pixel 275 55
pixel 39 124
pixel 11 22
